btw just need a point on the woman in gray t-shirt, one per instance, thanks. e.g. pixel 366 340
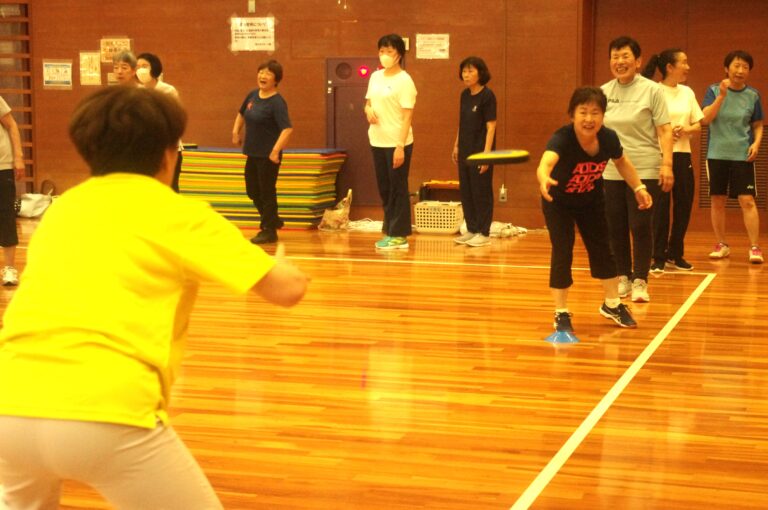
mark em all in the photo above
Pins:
pixel 637 111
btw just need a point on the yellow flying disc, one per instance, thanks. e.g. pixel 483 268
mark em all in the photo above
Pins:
pixel 505 157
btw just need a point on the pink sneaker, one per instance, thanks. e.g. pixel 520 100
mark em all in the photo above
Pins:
pixel 720 251
pixel 756 255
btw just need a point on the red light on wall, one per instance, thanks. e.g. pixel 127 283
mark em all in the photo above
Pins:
pixel 363 71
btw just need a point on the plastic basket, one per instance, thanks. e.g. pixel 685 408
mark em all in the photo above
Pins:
pixel 434 217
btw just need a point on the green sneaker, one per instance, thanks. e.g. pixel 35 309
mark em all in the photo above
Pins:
pixel 392 243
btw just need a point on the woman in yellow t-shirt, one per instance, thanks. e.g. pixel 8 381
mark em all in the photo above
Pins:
pixel 86 364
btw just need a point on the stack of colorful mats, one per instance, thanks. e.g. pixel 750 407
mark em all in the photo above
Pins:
pixel 306 185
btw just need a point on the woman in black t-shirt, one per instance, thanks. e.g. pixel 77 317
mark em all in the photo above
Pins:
pixel 477 133
pixel 571 186
pixel 264 114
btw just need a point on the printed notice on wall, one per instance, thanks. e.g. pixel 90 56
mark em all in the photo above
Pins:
pixel 253 34
pixel 111 46
pixel 90 68
pixel 57 74
pixel 433 46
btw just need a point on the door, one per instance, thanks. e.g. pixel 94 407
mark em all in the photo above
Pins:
pixel 348 127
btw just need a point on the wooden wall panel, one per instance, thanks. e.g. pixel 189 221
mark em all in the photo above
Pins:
pixel 707 30
pixel 543 66
pixel 532 49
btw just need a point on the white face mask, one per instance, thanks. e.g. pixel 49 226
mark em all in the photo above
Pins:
pixel 386 61
pixel 143 75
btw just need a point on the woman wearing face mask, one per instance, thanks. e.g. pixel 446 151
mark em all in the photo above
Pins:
pixel 685 116
pixel 264 113
pixel 389 104
pixel 148 71
pixel 477 133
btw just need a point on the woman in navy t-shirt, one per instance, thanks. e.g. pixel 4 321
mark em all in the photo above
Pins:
pixel 570 177
pixel 267 129
pixel 477 133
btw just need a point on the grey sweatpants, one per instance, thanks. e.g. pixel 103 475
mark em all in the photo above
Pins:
pixel 133 468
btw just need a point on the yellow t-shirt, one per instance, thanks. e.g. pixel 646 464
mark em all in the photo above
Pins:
pixel 96 329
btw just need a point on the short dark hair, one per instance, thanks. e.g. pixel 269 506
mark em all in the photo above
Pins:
pixel 155 64
pixel 126 129
pixel 623 42
pixel 660 61
pixel 396 42
pixel 274 67
pixel 586 95
pixel 741 54
pixel 484 75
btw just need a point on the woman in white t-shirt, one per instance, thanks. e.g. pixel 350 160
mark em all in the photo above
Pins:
pixel 685 116
pixel 389 104
pixel 149 69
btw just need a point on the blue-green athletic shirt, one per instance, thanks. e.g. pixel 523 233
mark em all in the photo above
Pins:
pixel 730 134
pixel 264 119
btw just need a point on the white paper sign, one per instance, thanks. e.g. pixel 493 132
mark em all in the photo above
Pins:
pixel 433 46
pixel 111 46
pixel 90 68
pixel 253 34
pixel 57 74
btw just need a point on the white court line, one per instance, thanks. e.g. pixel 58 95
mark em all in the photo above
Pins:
pixel 462 264
pixel 533 491
pixel 419 262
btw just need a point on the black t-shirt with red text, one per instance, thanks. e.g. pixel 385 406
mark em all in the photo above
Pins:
pixel 578 174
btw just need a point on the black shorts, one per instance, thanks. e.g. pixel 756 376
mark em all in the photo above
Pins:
pixel 8 235
pixel 732 178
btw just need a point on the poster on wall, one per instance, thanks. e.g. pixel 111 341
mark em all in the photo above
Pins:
pixel 433 46
pixel 90 68
pixel 253 34
pixel 111 46
pixel 57 74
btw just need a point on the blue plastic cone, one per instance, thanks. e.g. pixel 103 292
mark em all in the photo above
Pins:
pixel 562 337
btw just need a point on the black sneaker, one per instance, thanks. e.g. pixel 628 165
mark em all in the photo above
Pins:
pixel 657 266
pixel 620 315
pixel 265 237
pixel 680 264
pixel 563 322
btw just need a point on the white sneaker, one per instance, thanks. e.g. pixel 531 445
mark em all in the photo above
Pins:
pixel 10 276
pixel 640 291
pixel 479 240
pixel 464 238
pixel 624 287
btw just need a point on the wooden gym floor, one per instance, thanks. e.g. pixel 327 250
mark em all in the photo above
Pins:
pixel 421 380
